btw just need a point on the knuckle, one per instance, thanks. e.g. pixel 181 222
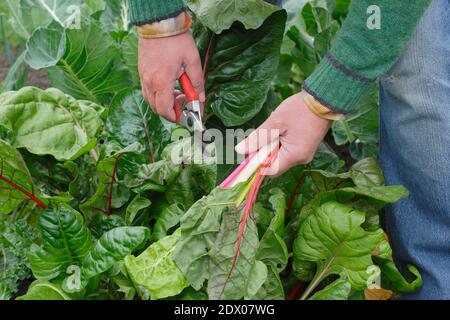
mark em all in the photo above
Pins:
pixel 146 78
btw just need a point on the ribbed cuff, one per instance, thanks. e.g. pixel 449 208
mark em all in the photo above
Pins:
pixel 148 11
pixel 336 86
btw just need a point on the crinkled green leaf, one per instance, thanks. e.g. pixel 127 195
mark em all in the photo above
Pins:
pixel 24 17
pixel 272 249
pixel 304 270
pixel 258 276
pixel 137 204
pixel 163 173
pixel 185 179
pixel 367 173
pixel 155 270
pixel 219 15
pixel 272 288
pixel 167 218
pixel 199 227
pixel 91 67
pixel 113 247
pixel 16 238
pixel 103 223
pixel 65 242
pixel 115 17
pixel 129 48
pixel 338 290
pixel 39 56
pixel 242 64
pixel 385 194
pixel 50 122
pixel 393 279
pixel 44 290
pixel 110 193
pixel 332 237
pixel 193 182
pixel 83 173
pixel 360 129
pixel 130 120
pixel 16 183
pixel 230 267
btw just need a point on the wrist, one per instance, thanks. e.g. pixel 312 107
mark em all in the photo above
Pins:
pixel 319 109
pixel 166 28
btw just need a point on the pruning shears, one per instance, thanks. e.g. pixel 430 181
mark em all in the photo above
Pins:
pixel 189 114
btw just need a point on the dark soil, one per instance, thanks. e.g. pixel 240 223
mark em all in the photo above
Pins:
pixel 35 78
pixel 22 288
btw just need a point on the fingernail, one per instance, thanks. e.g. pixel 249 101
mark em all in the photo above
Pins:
pixel 202 97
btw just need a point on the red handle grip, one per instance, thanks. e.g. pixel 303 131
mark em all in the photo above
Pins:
pixel 178 108
pixel 188 88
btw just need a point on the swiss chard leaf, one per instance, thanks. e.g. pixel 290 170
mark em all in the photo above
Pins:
pixel 16 183
pixel 233 257
pixel 272 288
pixel 155 271
pixel 110 193
pixel 91 67
pixel 113 247
pixel 167 218
pixel 360 129
pixel 45 290
pixel 393 279
pixel 65 242
pixel 338 290
pixel 130 120
pixel 50 122
pixel 219 15
pixel 199 228
pixel 272 249
pixel 242 64
pixel 332 237
pixel 136 205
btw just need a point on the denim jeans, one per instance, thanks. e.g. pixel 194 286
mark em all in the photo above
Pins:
pixel 415 152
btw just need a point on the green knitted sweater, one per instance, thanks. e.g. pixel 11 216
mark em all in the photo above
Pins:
pixel 359 56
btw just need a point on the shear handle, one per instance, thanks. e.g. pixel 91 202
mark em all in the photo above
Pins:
pixel 188 88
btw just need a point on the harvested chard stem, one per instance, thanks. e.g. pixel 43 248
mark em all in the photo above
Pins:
pixel 226 183
pixel 245 171
pixel 255 184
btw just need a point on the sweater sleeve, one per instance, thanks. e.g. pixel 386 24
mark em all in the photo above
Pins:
pixel 148 11
pixel 361 54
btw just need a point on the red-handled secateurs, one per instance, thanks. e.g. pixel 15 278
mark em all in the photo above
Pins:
pixel 189 114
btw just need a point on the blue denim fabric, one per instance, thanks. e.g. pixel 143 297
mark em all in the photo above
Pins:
pixel 415 152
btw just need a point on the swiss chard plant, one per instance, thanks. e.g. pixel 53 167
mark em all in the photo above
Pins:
pixel 93 206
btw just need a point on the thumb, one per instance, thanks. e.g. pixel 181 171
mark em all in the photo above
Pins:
pixel 262 136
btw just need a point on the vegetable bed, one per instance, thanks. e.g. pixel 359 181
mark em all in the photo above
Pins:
pixel 93 207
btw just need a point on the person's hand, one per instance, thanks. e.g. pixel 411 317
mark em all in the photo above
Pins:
pixel 161 62
pixel 300 133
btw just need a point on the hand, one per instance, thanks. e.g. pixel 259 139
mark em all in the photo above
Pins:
pixel 161 63
pixel 299 130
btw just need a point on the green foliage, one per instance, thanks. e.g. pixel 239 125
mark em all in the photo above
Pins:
pixel 65 242
pixel 15 241
pixel 91 167
pixel 50 122
pixel 219 15
pixel 241 67
pixel 155 272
